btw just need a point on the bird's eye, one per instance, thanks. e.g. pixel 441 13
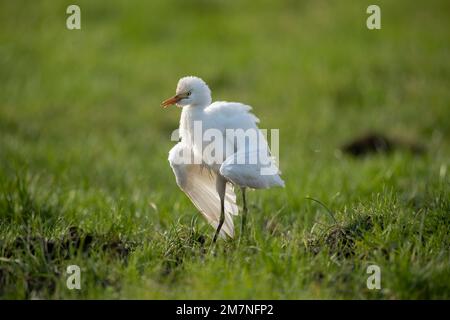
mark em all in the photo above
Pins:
pixel 188 93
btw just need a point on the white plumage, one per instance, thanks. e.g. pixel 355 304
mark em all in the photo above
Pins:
pixel 209 183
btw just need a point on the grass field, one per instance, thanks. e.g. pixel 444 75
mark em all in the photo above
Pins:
pixel 84 177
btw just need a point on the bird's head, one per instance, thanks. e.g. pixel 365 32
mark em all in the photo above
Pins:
pixel 190 91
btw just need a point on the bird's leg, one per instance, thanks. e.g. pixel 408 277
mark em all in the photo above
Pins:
pixel 244 212
pixel 222 219
pixel 220 187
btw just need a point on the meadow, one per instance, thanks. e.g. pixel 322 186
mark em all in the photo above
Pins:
pixel 84 177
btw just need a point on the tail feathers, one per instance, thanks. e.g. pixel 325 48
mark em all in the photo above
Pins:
pixel 278 181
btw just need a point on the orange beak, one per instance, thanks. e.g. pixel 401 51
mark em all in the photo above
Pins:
pixel 171 101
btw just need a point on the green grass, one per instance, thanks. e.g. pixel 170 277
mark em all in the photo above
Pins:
pixel 84 143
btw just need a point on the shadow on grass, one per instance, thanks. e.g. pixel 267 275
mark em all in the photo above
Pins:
pixel 35 260
pixel 339 238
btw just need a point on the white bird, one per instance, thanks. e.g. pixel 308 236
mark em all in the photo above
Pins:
pixel 209 182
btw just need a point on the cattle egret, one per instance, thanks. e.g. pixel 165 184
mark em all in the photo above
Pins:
pixel 209 182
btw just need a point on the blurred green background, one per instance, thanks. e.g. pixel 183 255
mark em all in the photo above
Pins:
pixel 84 143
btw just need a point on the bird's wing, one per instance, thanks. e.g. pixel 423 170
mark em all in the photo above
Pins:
pixel 232 115
pixel 199 184
pixel 251 163
pixel 253 169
